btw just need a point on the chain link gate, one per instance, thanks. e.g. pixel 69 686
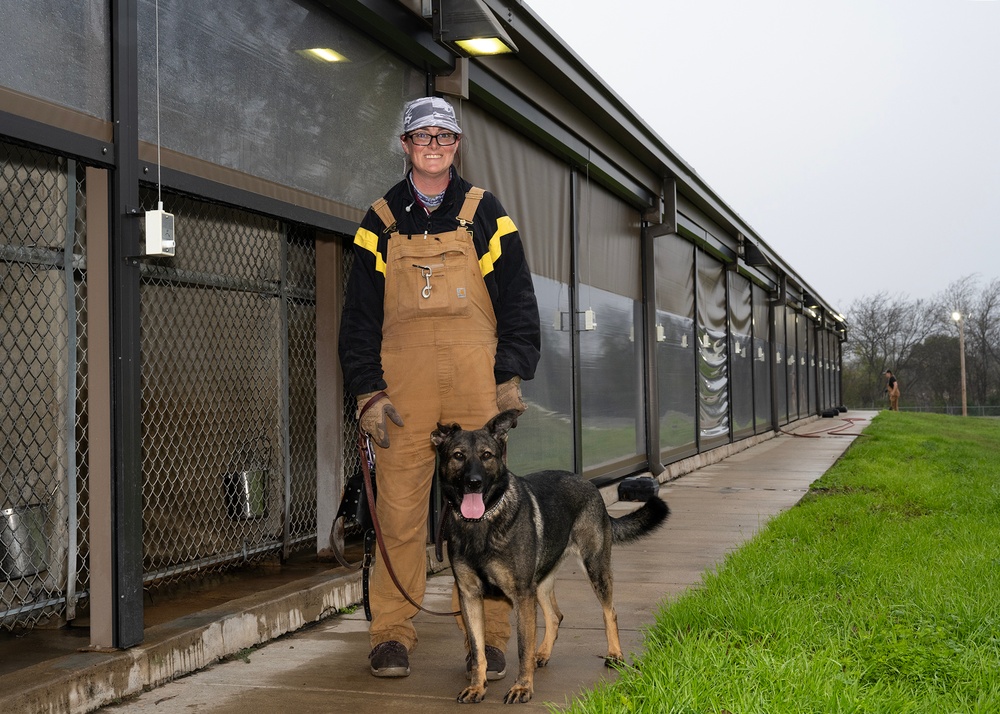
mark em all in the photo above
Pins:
pixel 228 391
pixel 44 544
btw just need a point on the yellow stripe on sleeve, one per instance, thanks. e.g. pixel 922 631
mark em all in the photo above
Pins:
pixel 369 241
pixel 505 226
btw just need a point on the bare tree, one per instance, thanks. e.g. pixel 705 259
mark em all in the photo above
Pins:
pixel 980 309
pixel 885 329
pixel 935 361
pixel 917 340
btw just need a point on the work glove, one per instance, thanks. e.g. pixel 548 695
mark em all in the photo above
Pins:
pixel 372 419
pixel 509 396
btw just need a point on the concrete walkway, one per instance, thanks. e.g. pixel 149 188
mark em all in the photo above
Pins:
pixel 323 667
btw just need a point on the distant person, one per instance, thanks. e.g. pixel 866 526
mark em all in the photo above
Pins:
pixel 892 389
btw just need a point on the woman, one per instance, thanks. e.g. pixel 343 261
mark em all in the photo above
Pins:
pixel 440 324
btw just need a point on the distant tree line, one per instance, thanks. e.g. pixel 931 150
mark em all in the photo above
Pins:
pixel 919 341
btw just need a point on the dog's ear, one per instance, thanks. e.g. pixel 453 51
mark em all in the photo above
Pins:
pixel 443 431
pixel 503 422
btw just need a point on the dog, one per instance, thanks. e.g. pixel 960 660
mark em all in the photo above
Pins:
pixel 509 534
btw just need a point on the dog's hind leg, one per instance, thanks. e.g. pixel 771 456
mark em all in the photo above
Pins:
pixel 551 616
pixel 527 638
pixel 615 655
pixel 598 566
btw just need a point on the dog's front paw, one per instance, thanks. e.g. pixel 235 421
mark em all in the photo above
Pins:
pixel 518 694
pixel 472 695
pixel 541 659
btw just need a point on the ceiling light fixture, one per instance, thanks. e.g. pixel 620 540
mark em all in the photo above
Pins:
pixel 469 28
pixel 324 54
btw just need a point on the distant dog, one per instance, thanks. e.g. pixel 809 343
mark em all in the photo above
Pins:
pixel 508 534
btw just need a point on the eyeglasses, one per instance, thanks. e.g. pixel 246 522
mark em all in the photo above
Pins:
pixel 422 138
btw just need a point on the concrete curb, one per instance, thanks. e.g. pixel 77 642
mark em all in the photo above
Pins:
pixel 88 680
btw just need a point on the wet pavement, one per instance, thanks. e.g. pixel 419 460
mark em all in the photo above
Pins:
pixel 321 666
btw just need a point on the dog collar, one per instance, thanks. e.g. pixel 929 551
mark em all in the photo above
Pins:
pixel 488 512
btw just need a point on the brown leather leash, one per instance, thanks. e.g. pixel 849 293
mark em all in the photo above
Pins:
pixel 342 560
pixel 366 470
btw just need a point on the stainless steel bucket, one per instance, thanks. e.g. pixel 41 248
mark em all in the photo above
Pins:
pixel 23 548
pixel 246 494
pixel 246 485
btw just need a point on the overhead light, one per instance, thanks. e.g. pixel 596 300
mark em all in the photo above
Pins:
pixel 315 36
pixel 752 255
pixel 483 46
pixel 809 301
pixel 324 54
pixel 469 28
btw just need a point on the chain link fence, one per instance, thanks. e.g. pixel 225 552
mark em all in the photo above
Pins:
pixel 228 391
pixel 44 548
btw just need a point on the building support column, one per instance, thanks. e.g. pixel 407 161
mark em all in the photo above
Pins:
pixel 126 415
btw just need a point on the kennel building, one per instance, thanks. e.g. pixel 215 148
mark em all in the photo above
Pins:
pixel 173 411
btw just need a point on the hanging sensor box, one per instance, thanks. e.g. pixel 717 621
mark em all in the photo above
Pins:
pixel 160 233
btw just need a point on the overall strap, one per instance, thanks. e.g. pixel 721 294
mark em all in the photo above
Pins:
pixel 381 207
pixel 471 205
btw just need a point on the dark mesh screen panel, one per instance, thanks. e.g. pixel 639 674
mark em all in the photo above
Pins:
pixel 610 332
pixel 713 352
pixel 761 360
pixel 741 355
pixel 780 366
pixel 59 50
pixel 330 129
pixel 675 357
pixel 534 188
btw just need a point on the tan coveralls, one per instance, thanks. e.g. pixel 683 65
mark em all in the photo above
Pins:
pixel 894 397
pixel 439 341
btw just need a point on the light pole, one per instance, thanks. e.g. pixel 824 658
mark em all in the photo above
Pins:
pixel 960 319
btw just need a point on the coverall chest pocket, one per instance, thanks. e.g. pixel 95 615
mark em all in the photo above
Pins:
pixel 430 279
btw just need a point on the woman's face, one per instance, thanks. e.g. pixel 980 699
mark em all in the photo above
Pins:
pixel 432 161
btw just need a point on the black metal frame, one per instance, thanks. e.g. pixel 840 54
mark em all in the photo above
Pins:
pixel 90 150
pixel 126 491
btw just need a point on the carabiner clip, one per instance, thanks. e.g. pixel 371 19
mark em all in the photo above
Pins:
pixel 369 451
pixel 425 273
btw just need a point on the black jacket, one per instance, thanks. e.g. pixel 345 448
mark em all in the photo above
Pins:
pixel 509 284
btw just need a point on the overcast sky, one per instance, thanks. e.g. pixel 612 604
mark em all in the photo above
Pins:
pixel 860 139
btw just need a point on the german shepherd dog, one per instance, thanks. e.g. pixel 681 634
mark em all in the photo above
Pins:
pixel 508 535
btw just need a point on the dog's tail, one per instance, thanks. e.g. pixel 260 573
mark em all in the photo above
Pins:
pixel 642 521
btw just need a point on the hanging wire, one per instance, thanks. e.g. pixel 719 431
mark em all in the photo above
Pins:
pixel 589 237
pixel 159 182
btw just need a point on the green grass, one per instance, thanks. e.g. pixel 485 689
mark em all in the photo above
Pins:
pixel 878 593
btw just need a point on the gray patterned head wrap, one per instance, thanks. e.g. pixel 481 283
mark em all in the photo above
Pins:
pixel 429 111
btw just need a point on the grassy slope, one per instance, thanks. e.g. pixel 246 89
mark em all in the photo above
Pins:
pixel 879 592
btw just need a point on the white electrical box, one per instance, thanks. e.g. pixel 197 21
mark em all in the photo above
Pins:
pixel 160 233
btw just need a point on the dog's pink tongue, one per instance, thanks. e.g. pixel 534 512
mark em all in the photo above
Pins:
pixel 473 506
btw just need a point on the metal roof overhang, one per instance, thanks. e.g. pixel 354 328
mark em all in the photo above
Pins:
pixel 584 121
